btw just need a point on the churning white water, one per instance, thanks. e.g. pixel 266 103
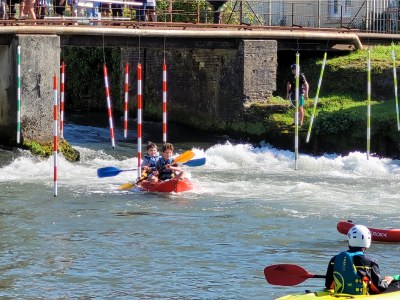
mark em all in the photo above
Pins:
pixel 249 209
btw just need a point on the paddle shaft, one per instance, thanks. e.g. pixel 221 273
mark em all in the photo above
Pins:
pixel 130 185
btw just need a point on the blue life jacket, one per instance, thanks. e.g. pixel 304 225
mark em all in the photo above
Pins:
pixel 163 172
pixel 346 278
pixel 150 161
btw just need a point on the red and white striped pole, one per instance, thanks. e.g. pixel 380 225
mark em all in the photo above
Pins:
pixel 126 100
pixel 164 105
pixel 139 117
pixel 62 90
pixel 55 141
pixel 109 109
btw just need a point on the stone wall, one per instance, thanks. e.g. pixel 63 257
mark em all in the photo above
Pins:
pixel 207 85
pixel 40 61
pixel 260 69
pixel 8 117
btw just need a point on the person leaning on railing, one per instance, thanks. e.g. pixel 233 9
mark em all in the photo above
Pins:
pixel 27 9
pixel 117 10
pixel 59 7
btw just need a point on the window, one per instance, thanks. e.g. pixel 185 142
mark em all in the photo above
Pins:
pixel 340 7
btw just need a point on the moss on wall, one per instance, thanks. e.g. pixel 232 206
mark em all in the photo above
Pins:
pixel 46 150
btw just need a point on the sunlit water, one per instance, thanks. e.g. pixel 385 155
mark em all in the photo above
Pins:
pixel 249 209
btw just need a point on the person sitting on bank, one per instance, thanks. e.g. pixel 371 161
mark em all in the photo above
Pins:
pixel 352 272
pixel 165 170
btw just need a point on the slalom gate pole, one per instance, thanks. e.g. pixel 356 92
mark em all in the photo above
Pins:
pixel 109 109
pixel 62 93
pixel 126 99
pixel 368 103
pixel 164 103
pixel 395 86
pixel 55 141
pixel 139 117
pixel 296 115
pixel 316 98
pixel 18 94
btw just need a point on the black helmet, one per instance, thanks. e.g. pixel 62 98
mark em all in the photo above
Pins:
pixel 293 67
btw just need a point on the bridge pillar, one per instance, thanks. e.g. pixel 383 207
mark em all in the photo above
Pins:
pixel 40 61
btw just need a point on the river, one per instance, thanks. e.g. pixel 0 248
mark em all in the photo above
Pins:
pixel 249 209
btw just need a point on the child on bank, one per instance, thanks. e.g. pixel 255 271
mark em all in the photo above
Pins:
pixel 149 162
pixel 164 168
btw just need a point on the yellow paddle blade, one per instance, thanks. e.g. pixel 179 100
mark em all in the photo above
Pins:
pixel 126 186
pixel 184 157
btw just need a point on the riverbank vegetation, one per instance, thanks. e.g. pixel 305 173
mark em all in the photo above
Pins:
pixel 340 123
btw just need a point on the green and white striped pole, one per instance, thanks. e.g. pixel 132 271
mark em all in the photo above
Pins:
pixel 18 94
pixel 369 103
pixel 316 97
pixel 296 116
pixel 395 87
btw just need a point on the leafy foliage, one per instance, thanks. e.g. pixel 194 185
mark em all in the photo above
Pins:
pixel 184 11
pixel 85 78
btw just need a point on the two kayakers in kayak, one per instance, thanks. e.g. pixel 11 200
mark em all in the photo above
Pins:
pixel 157 167
pixel 353 272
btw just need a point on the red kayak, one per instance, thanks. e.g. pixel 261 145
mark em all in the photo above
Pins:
pixel 380 235
pixel 167 186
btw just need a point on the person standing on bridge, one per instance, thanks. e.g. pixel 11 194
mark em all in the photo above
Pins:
pixel 141 12
pixel 27 9
pixel 59 8
pixel 303 91
pixel 151 11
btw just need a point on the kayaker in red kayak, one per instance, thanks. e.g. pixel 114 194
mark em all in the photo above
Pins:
pixel 352 272
pixel 164 168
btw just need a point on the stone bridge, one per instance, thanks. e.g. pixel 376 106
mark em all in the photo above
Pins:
pixel 217 71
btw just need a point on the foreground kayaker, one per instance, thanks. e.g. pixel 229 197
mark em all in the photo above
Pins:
pixel 352 272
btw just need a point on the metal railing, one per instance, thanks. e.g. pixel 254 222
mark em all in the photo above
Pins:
pixel 377 16
pixel 380 16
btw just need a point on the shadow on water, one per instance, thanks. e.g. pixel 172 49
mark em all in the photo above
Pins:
pixel 180 135
pixel 137 213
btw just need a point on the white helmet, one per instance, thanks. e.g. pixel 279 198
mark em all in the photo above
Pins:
pixel 359 236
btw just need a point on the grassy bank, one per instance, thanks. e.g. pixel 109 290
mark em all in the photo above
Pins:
pixel 340 122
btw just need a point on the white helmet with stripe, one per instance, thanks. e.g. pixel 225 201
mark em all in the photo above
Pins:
pixel 359 236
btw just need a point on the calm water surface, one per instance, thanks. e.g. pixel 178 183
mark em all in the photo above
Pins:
pixel 249 209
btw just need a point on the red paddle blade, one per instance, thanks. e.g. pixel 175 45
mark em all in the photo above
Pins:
pixel 286 274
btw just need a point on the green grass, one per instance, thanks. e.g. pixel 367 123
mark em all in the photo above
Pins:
pixel 343 96
pixel 381 59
